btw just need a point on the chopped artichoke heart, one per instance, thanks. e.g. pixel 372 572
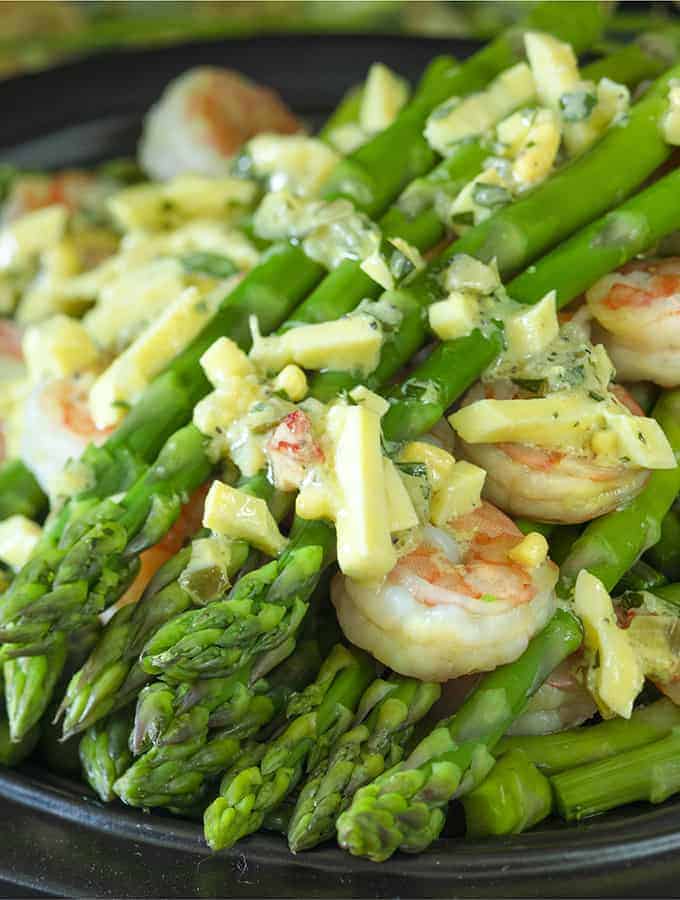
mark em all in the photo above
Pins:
pixel 350 344
pixel 671 121
pixel 533 328
pixel 455 316
pixel 459 494
pixel 57 348
pixel 221 408
pixel 655 640
pixel 206 575
pixel 375 266
pixel 536 155
pixel 641 440
pixel 18 539
pixel 223 360
pixel 456 120
pixel 132 298
pixel 362 521
pixel 240 516
pixel 293 162
pixel 401 512
pixel 132 371
pixel 531 552
pixel 617 678
pixel 482 196
pixel 611 105
pixel 33 233
pixel 362 395
pixel 293 382
pixel 167 204
pixel 347 138
pixel 316 501
pixel 568 419
pixel 438 462
pixel 330 231
pixel 465 273
pixel 385 93
pixel 553 65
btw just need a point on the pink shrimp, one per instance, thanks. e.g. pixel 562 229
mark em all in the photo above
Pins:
pixel 203 119
pixel 453 605
pixel 552 485
pixel 188 523
pixel 638 313
pixel 292 450
pixel 57 427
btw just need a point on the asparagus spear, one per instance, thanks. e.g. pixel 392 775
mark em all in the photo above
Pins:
pixel 27 681
pixel 174 771
pixel 270 291
pixel 610 545
pixel 84 552
pixel 104 752
pixel 665 554
pixel 641 577
pixel 387 715
pixel 20 493
pixel 111 677
pixel 554 753
pixel 266 775
pixel 405 807
pixel 14 752
pixel 420 401
pixel 513 797
pixel 648 773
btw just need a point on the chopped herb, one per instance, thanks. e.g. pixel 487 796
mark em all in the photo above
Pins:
pixel 595 396
pixel 641 438
pixel 207 263
pixel 491 195
pixel 576 106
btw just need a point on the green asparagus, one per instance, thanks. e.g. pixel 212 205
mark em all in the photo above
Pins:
pixel 610 545
pixel 513 797
pixel 554 753
pixel 20 493
pixel 405 808
pixel 650 773
pixel 104 752
pixel 203 729
pixel 665 554
pixel 263 778
pixel 387 715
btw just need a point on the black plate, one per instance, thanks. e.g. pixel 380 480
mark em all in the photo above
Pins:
pixel 58 840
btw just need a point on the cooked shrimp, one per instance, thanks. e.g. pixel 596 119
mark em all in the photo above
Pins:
pixel 188 523
pixel 292 450
pixel 561 702
pixel 204 117
pixel 57 427
pixel 453 605
pixel 638 311
pixel 72 189
pixel 551 485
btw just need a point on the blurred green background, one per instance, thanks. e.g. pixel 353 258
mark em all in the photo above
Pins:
pixel 37 33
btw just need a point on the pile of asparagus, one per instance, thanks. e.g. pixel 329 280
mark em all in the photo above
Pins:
pixel 255 687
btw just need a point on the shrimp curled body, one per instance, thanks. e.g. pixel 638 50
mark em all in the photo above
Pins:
pixel 552 485
pixel 453 605
pixel 203 119
pixel 638 313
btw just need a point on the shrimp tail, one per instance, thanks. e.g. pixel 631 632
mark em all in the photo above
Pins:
pixel 405 808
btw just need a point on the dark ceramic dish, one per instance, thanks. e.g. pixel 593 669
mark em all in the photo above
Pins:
pixel 59 841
